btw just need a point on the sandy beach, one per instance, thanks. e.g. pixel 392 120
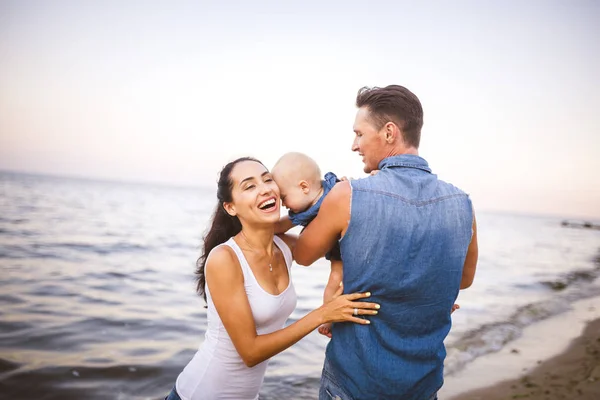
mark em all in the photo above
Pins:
pixel 572 374
pixel 575 374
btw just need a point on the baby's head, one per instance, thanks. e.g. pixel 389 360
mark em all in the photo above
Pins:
pixel 299 179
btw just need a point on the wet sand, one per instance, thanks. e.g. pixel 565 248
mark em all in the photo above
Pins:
pixel 574 374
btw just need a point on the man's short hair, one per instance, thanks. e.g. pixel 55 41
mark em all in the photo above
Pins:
pixel 395 104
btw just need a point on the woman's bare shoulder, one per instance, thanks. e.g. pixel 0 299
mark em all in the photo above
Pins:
pixel 222 261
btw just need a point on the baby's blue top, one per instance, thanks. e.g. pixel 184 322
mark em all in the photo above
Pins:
pixel 304 217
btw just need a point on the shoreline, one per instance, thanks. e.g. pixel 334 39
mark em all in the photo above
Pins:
pixel 558 358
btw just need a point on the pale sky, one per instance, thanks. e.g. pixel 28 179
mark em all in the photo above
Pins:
pixel 170 91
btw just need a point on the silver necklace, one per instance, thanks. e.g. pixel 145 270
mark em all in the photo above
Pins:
pixel 253 250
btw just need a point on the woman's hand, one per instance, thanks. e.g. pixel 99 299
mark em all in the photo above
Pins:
pixel 346 308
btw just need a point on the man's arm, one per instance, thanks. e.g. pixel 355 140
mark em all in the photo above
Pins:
pixel 471 260
pixel 328 226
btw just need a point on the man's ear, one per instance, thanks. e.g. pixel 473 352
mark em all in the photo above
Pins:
pixel 230 209
pixel 304 186
pixel 392 132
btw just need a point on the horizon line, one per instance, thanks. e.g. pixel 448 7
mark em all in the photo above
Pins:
pixel 143 182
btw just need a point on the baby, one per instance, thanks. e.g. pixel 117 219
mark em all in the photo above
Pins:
pixel 302 192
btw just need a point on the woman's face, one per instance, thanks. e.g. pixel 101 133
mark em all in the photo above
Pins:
pixel 255 194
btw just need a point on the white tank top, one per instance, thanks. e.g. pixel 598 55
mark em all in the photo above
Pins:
pixel 217 371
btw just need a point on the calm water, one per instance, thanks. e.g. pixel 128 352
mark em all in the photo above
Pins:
pixel 97 293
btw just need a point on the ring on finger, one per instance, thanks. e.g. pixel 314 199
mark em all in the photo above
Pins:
pixel 356 311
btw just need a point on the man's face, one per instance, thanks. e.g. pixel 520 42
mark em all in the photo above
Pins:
pixel 369 142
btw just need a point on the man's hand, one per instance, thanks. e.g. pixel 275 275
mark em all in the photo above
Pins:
pixel 345 178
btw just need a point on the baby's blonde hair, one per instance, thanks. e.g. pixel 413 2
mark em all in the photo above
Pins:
pixel 296 167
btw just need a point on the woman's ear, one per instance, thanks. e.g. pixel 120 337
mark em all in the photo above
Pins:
pixel 230 209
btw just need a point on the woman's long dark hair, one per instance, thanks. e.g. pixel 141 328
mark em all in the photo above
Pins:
pixel 222 226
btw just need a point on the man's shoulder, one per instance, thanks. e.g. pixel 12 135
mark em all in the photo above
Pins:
pixel 339 192
pixel 369 181
pixel 422 187
pixel 449 188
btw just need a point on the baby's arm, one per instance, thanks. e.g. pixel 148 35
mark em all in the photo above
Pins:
pixel 335 280
pixel 283 225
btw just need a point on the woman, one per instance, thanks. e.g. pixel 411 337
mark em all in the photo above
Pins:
pixel 244 276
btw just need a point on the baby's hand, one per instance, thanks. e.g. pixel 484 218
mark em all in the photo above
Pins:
pixel 345 178
pixel 454 308
pixel 325 330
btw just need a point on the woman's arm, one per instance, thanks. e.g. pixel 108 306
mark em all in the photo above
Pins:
pixel 283 225
pixel 289 239
pixel 225 282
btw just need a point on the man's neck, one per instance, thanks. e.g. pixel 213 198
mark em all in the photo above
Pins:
pixel 401 150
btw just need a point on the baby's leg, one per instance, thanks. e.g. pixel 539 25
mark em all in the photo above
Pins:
pixel 335 279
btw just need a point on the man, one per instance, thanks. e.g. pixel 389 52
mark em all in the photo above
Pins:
pixel 405 236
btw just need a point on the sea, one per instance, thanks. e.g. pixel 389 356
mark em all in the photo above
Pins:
pixel 97 289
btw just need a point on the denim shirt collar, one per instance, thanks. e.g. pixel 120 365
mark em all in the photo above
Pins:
pixel 405 161
pixel 304 217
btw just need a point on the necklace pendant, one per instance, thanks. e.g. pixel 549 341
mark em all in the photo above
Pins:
pixel 270 268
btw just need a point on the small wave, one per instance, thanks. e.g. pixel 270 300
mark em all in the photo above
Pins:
pixel 52 290
pixel 120 247
pixel 574 277
pixel 10 299
pixel 9 327
pixel 6 365
pixel 491 338
pixel 297 387
pixel 24 233
pixel 117 275
pixel 179 246
pixel 30 252
pixel 84 299
pixel 85 382
pixel 64 251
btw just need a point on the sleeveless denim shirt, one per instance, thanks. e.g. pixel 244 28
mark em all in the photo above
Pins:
pixel 406 243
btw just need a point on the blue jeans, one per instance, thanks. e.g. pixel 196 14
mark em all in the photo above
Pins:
pixel 173 395
pixel 331 390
